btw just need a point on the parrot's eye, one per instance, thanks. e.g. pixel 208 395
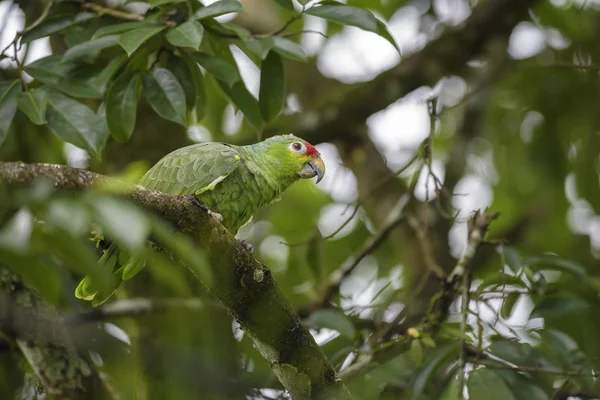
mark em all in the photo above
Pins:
pixel 297 147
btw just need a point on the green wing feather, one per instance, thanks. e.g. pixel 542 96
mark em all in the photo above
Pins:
pixel 192 169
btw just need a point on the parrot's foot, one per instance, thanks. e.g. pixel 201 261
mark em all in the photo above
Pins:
pixel 247 246
pixel 216 216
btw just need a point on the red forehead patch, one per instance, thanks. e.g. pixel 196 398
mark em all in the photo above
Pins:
pixel 311 151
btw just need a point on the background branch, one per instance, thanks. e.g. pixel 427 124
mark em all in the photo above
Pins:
pixel 45 341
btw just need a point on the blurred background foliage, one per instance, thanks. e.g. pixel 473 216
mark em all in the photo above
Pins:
pixel 512 124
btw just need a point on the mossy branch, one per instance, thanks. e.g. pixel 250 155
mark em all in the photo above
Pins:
pixel 47 343
pixel 242 284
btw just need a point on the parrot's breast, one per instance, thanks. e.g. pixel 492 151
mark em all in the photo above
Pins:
pixel 238 196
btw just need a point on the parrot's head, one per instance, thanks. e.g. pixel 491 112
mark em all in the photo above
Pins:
pixel 297 156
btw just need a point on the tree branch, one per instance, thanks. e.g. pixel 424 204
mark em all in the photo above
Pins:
pixel 332 287
pixel 446 55
pixel 245 286
pixel 541 370
pixel 101 10
pixel 438 306
pixel 46 343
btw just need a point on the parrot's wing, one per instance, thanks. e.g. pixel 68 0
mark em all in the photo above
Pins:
pixel 192 169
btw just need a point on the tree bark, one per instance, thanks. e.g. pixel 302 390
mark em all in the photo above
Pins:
pixel 45 341
pixel 245 286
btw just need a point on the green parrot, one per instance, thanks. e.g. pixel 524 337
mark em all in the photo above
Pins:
pixel 232 181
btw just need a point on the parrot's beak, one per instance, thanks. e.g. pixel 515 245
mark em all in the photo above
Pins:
pixel 315 167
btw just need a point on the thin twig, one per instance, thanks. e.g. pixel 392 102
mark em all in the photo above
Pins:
pixel 498 319
pixel 361 200
pixel 41 18
pixel 564 384
pixel 291 34
pixel 101 10
pixel 525 368
pixel 19 65
pixel 333 286
pixel 464 308
pixel 372 192
pixel 392 327
pixel 283 28
pixel 426 249
pixel 478 226
pixel 19 34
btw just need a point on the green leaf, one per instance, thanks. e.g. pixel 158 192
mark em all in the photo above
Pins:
pixel 289 49
pixel 512 258
pixel 346 15
pixel 122 220
pixel 8 105
pixel 75 123
pixel 522 387
pixel 219 8
pixel 451 391
pixel 132 40
pixel 432 364
pixel 55 24
pixel 557 306
pixel 509 303
pixel 33 104
pixel 485 384
pixel 287 4
pixel 262 46
pixel 185 250
pixel 78 34
pixel 12 236
pixel 496 279
pixel 513 351
pixel 188 34
pixel 83 49
pixel 243 33
pixel 332 319
pixel 198 80
pixel 121 28
pixel 49 69
pixel 272 87
pixel 241 98
pixel 384 32
pixel 101 79
pixel 36 274
pixel 353 16
pixel 156 3
pixel 552 262
pixel 416 352
pixel 121 105
pixel 183 74
pixel 219 68
pixel 166 96
pixel 84 82
pixel 69 214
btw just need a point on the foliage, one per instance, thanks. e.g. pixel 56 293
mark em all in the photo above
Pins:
pixel 384 294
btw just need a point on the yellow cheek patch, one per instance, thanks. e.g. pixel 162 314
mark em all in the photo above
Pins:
pixel 296 155
pixel 237 157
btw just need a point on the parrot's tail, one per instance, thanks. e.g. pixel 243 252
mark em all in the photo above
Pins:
pixel 123 267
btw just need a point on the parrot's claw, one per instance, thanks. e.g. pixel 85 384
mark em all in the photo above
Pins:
pixel 216 216
pixel 247 246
